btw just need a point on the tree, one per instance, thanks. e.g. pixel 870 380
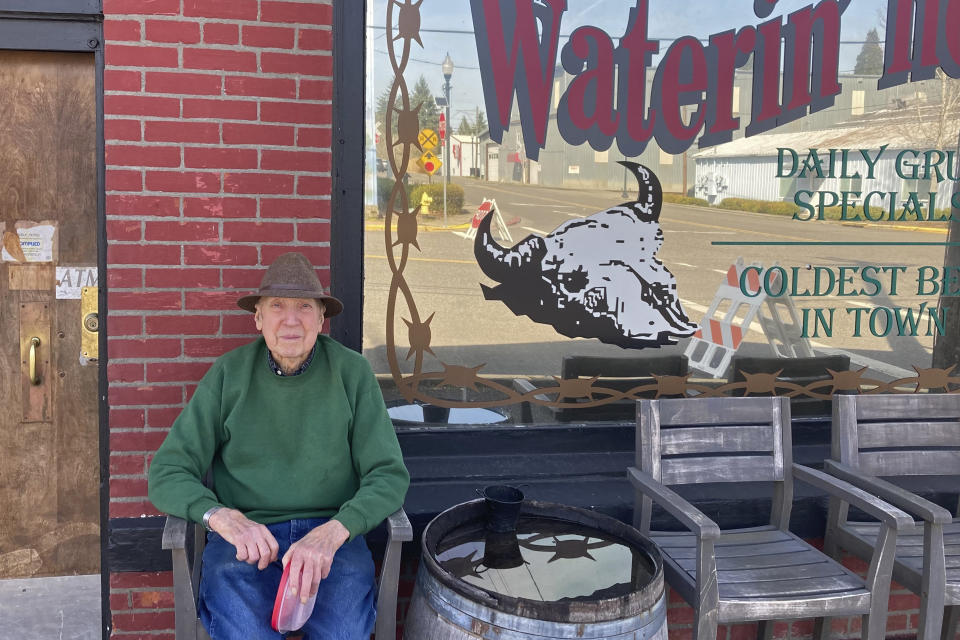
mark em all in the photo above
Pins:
pixel 870 58
pixel 429 111
pixel 465 128
pixel 480 122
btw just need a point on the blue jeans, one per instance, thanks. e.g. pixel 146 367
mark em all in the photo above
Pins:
pixel 236 599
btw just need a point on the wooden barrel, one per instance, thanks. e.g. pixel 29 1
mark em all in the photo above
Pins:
pixel 446 607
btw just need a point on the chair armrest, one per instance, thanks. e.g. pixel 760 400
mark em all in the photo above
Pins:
pixel 691 517
pixel 898 497
pixel 398 526
pixel 870 504
pixel 174 533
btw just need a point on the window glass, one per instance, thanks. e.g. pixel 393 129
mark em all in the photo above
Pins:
pixel 571 205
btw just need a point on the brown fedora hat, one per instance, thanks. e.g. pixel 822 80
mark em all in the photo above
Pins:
pixel 292 276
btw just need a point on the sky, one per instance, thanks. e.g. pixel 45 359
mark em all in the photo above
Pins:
pixel 698 18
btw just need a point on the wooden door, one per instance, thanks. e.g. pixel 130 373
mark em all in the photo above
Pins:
pixel 49 460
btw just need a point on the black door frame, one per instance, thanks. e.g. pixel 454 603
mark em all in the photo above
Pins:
pixel 76 26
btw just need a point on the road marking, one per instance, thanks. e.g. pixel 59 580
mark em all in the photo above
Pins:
pixel 537 204
pixel 445 260
pixel 532 230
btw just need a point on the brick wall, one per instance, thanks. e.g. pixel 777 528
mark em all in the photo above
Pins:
pixel 217 120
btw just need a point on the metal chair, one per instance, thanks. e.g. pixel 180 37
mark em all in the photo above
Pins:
pixel 761 573
pixel 186 575
pixel 897 436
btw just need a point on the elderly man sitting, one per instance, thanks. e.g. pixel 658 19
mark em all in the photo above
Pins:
pixel 304 461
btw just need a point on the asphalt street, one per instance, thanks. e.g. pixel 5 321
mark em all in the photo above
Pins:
pixel 442 279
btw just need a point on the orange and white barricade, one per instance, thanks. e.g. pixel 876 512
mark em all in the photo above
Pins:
pixel 488 207
pixel 711 348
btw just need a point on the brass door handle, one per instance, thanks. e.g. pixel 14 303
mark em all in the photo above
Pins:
pixel 34 376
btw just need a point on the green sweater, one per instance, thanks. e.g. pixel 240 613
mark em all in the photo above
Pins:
pixel 319 444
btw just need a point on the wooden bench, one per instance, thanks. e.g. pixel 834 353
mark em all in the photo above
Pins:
pixel 897 436
pixel 761 573
pixel 799 371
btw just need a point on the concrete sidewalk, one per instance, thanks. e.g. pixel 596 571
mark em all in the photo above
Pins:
pixel 62 608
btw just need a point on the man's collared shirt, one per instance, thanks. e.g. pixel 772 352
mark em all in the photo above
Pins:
pixel 303 367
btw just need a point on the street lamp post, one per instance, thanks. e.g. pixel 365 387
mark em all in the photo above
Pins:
pixel 447 68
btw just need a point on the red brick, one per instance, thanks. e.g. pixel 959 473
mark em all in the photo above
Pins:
pixel 801 628
pixel 125 465
pixel 152 599
pixel 123 180
pixel 162 417
pixel 269 37
pixel 231 9
pixel 121 130
pixel 897 622
pixel 121 80
pixel 257 232
pixel 313 232
pixel 144 347
pixel 296 13
pixel 257 183
pixel 145 300
pixel 316 89
pixel 182 279
pixel 140 620
pixel 134 205
pixel 740 631
pixel 130 372
pixel 314 161
pixel 144 395
pixel 318 256
pixel 296 112
pixel 180 131
pixel 313 137
pixel 257 134
pixel 173 31
pixel 182 231
pixel 294 208
pixel 261 87
pixel 304 64
pixel 239 325
pixel 145 7
pixel 141 254
pixel 241 279
pixel 176 371
pixel 781 629
pixel 128 487
pixel 183 325
pixel 124 279
pixel 200 347
pixel 219 109
pixel 207 255
pixel 681 634
pixel 126 418
pixel 140 56
pixel 906 602
pixel 218 300
pixel 120 601
pixel 218 33
pixel 141 106
pixel 220 207
pixel 125 325
pixel 183 181
pixel 124 230
pixel 142 156
pixel 135 440
pixel 219 59
pixel 219 158
pixel 184 83
pixel 313 186
pixel 134 509
pixel 679 615
pixel 315 39
pixel 114 30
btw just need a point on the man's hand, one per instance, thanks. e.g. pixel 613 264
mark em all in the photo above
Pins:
pixel 313 553
pixel 254 542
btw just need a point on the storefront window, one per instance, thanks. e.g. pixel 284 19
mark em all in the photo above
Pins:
pixel 571 205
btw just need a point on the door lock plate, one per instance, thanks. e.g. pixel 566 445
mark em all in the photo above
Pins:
pixel 89 324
